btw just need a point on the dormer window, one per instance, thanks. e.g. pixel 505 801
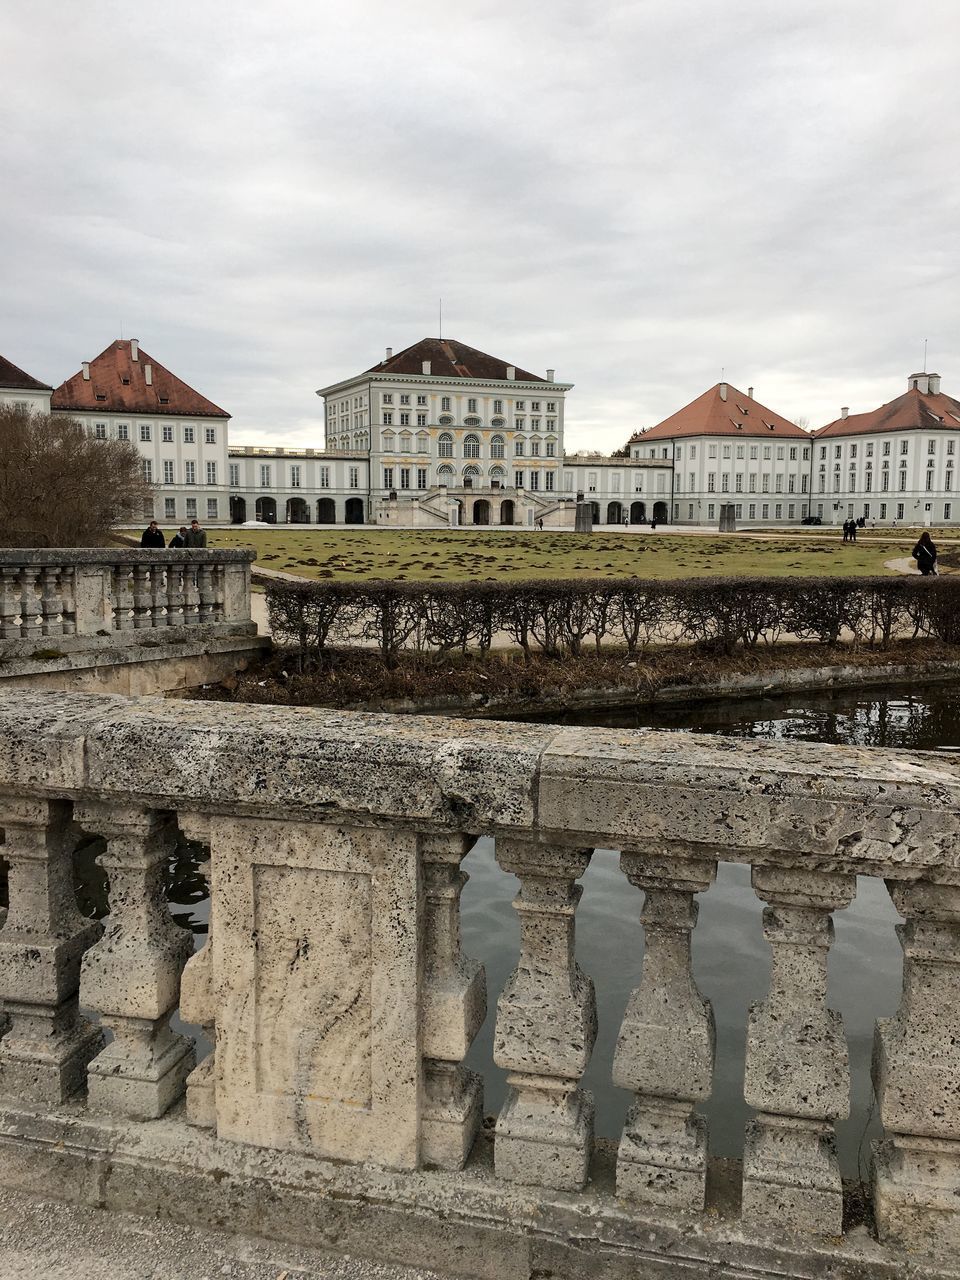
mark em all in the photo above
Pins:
pixel 100 395
pixel 164 399
pixel 125 381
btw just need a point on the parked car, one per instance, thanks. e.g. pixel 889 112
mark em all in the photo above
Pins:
pixel 811 520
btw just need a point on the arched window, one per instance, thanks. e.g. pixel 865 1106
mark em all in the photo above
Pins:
pixel 471 446
pixel 496 447
pixel 445 475
pixel 472 473
pixel 445 445
pixel 497 473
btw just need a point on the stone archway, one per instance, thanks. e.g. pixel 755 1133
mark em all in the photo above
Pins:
pixel 238 510
pixel 326 511
pixel 267 509
pixel 353 511
pixel 638 512
pixel 507 511
pixel 614 513
pixel 298 512
pixel 660 512
pixel 481 511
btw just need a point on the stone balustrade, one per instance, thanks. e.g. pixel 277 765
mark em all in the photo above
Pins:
pixel 336 1107
pixel 90 592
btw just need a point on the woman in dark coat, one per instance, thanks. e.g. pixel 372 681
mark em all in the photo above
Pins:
pixel 925 554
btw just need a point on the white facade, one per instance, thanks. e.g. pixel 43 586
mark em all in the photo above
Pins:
pixel 27 398
pixel 298 486
pixel 767 481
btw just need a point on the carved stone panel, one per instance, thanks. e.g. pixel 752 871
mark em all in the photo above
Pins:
pixel 316 964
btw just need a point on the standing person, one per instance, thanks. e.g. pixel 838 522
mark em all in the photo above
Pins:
pixel 179 539
pixel 540 523
pixel 846 530
pixel 853 530
pixel 626 522
pixel 152 536
pixel 196 537
pixel 925 554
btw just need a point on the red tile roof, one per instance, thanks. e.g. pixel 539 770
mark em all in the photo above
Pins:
pixel 711 415
pixel 118 384
pixel 14 379
pixel 451 359
pixel 913 411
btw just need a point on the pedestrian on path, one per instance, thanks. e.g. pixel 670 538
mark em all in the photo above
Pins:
pixel 152 536
pixel 846 530
pixel 925 554
pixel 196 537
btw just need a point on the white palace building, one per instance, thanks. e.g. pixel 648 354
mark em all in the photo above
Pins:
pixel 442 434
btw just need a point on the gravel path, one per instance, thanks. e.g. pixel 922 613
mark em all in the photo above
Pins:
pixel 40 1240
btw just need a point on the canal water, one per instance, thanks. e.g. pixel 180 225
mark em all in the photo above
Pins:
pixel 731 959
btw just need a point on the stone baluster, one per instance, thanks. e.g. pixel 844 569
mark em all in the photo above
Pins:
pixel 29 602
pixel 10 604
pixel 546 1025
pixel 797 1074
pixel 132 976
pixel 44 1055
pixel 191 596
pixel 51 602
pixel 665 1050
pixel 916 1073
pixel 175 578
pixel 206 589
pixel 142 597
pixel 122 598
pixel 455 1004
pixel 68 601
pixel 198 999
pixel 158 596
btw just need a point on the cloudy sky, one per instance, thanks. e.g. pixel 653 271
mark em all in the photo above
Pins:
pixel 637 194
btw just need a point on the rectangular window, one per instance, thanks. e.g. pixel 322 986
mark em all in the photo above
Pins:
pixel 710 510
pixel 234 475
pixel 100 430
pixel 738 511
pixel 551 406
pixel 837 451
pixel 791 484
pixel 168 471
pixel 899 510
pixel 535 448
pixel 404 419
pixel 711 481
pixel 947 510
pixel 211 473
pixel 692 485
pixel 404 399
pixel 950 444
pixel 929 481
pixel 551 448
pixel 123 431
pixel 422 400
pixel 213 509
pixel 191 508
pixel 885 480
pixel 803 484
pixel 549 480
pixel 445 404
pixel 189 435
pixel 387 418
pixel 725 482
pixel 167 433
pixel 726 451
pixel 886 448
pixel 471 405
pixel 869 448
pixel 421 477
pixel 765 483
pixel 868 482
pixel 387 397
pixel 189 473
pixel 264 476
pixel 754 453
pixel 752 483
pixel 518 448
pixel 778 511
pixel 421 419
pixel 793 453
pixel 738 482
pixel 711 451
pixel 354 478
pixel 388 477
pixel 903 481
pixel 146 433
pixel 498 406
pixel 883 511
pixel 904 448
pixel 931 446
pixel 948 481
pixel 404 477
pixel 752 511
pixel 534 406
pixel 147 470
pixel 295 476
pixel 791 510
pixel 518 479
pixel 853 451
pixel 765 511
pixel 520 406
pixel 210 435
pixel 693 453
pixel 767 453
pixel 324 477
pixel 170 508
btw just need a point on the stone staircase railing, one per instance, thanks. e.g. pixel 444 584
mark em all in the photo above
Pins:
pixel 96 592
pixel 342 1006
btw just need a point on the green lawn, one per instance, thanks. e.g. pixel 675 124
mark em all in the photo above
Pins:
pixel 447 555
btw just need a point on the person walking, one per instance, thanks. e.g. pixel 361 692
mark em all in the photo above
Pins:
pixel 925 554
pixel 179 539
pixel 152 536
pixel 195 537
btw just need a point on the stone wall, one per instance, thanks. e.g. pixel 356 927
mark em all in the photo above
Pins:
pixel 336 1107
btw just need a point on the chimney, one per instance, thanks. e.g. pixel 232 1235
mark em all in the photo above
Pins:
pixel 750 393
pixel 134 349
pixel 511 372
pixel 920 382
pixel 934 384
pixel 723 391
pixel 426 368
pixel 86 370
pixel 550 373
pixel 844 411
pixel 389 355
pixel 148 374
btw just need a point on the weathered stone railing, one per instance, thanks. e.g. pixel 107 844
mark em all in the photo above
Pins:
pixel 343 1007
pixel 98 591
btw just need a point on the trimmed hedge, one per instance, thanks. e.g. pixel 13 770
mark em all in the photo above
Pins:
pixel 558 618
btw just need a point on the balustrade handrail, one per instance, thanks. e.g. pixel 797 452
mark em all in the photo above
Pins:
pixel 66 556
pixel 336 844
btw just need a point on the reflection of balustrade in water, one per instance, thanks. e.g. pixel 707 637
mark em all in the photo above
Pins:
pixel 342 1005
pixel 93 592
